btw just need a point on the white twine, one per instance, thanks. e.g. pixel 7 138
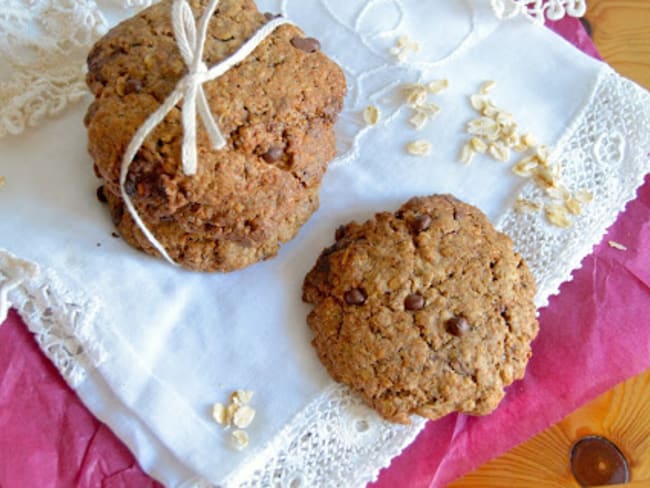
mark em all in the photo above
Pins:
pixel 190 89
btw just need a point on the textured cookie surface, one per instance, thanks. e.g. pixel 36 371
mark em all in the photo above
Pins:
pixel 276 109
pixel 424 311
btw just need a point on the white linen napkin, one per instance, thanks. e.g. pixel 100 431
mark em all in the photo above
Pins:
pixel 149 348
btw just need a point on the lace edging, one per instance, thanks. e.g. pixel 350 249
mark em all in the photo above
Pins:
pixel 606 150
pixel 336 422
pixel 538 11
pixel 62 322
pixel 44 45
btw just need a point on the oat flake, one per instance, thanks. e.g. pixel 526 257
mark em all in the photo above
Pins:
pixel 419 148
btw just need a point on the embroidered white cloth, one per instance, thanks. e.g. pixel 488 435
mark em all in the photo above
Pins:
pixel 149 348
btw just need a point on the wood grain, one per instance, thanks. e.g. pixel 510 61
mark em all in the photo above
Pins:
pixel 621 31
pixel 622 415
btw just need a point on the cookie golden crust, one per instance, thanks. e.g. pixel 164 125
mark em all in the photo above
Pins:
pixel 424 311
pixel 276 109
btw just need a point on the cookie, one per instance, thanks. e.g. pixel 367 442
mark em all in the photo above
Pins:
pixel 276 110
pixel 424 311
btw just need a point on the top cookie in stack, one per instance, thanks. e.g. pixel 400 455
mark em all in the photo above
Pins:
pixel 276 110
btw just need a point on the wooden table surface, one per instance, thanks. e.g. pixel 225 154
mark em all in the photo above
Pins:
pixel 621 31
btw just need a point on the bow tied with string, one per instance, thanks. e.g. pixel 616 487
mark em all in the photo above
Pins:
pixel 191 47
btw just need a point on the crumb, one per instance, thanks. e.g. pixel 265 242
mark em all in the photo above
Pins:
pixel 617 245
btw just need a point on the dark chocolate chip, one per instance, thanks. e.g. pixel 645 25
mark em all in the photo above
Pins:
pixel 273 154
pixel 328 251
pixel 132 85
pixel 414 302
pixel 421 223
pixel 101 196
pixel 307 44
pixel 115 235
pixel 356 296
pixel 144 185
pixel 116 214
pixel 457 326
pixel 340 233
pixel 130 186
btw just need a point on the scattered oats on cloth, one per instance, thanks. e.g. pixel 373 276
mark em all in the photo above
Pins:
pixel 144 344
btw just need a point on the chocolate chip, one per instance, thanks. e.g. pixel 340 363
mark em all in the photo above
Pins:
pixel 273 154
pixel 270 16
pixel 143 185
pixel 132 85
pixel 457 326
pixel 131 186
pixel 115 235
pixel 307 44
pixel 101 196
pixel 421 223
pixel 340 233
pixel 356 296
pixel 414 302
pixel 116 214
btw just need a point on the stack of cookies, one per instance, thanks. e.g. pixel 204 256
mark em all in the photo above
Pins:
pixel 276 110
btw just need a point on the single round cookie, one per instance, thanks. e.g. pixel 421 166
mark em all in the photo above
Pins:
pixel 424 311
pixel 276 110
